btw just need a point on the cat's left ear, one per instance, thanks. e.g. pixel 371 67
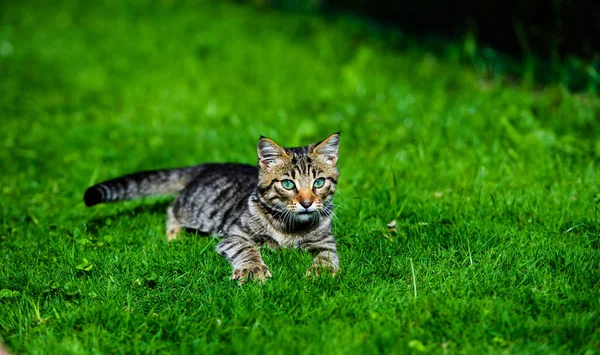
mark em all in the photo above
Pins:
pixel 270 153
pixel 327 149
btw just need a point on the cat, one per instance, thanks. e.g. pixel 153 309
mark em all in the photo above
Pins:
pixel 285 201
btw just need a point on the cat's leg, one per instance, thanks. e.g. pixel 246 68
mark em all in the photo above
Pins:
pixel 173 226
pixel 324 254
pixel 243 255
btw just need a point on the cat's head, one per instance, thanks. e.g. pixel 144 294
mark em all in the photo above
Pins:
pixel 299 181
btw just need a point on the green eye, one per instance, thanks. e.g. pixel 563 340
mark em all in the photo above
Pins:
pixel 319 183
pixel 288 184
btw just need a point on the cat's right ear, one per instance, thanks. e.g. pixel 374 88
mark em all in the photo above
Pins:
pixel 327 149
pixel 270 154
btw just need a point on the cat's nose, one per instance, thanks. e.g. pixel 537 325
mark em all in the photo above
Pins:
pixel 305 204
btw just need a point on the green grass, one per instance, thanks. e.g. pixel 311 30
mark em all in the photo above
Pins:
pixel 494 188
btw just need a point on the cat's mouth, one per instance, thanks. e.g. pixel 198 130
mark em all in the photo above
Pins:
pixel 306 210
pixel 306 216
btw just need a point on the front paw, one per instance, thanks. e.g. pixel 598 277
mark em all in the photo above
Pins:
pixel 251 272
pixel 317 269
pixel 173 232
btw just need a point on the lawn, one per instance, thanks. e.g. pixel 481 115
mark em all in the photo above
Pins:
pixel 493 186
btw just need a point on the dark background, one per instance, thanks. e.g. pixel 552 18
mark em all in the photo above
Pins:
pixel 537 42
pixel 548 29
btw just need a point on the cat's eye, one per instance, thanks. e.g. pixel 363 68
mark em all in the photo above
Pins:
pixel 288 184
pixel 318 183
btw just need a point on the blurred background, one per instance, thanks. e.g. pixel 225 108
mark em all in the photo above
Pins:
pixel 548 40
pixel 547 28
pixel 174 81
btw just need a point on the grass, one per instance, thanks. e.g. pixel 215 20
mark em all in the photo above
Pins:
pixel 493 187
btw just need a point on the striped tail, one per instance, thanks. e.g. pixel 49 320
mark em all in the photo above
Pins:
pixel 144 183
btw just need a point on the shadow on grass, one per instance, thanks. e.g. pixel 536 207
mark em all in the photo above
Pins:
pixel 95 225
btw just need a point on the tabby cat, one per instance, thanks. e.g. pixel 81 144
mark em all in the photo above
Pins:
pixel 284 202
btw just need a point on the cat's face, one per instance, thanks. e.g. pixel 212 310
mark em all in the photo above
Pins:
pixel 299 182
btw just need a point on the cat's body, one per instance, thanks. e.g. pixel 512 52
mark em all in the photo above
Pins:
pixel 284 202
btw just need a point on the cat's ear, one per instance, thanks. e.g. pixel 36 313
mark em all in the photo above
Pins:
pixel 327 149
pixel 269 153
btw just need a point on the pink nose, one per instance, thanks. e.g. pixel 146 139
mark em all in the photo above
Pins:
pixel 305 204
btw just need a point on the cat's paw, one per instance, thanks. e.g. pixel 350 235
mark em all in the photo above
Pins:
pixel 173 232
pixel 316 270
pixel 259 272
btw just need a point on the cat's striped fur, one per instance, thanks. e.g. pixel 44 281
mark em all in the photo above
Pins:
pixel 284 202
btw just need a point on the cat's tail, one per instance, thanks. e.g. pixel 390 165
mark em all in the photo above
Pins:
pixel 144 183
